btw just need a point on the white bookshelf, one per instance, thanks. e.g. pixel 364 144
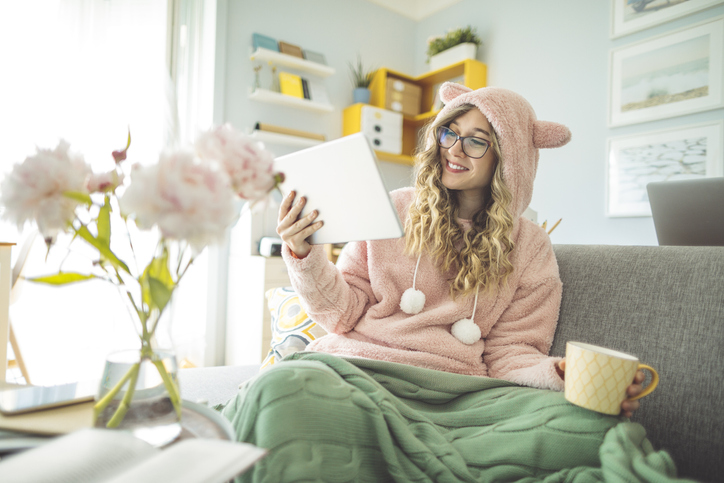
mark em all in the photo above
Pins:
pixel 314 68
pixel 284 139
pixel 271 97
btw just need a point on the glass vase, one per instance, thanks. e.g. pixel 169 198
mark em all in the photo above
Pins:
pixel 139 392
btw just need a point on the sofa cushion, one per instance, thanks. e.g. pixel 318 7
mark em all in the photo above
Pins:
pixel 664 305
pixel 292 329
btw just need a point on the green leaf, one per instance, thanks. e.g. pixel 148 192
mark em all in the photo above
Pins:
pixel 159 293
pixel 104 223
pixel 157 283
pixel 62 278
pixel 103 249
pixel 79 196
pixel 158 269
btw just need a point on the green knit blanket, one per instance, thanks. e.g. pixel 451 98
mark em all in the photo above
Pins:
pixel 329 419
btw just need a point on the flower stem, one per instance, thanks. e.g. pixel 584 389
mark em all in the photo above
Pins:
pixel 171 387
pixel 127 398
pixel 105 400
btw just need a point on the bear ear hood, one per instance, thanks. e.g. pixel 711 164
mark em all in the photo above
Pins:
pixel 519 132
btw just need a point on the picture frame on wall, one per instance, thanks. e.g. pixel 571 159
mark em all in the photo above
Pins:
pixel 628 16
pixel 686 152
pixel 669 75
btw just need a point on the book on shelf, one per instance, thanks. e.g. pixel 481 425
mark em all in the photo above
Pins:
pixel 113 456
pixel 263 41
pixel 317 91
pixel 291 84
pixel 290 49
pixel 314 57
pixel 288 131
pixel 305 88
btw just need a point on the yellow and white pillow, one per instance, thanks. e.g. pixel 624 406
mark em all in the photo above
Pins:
pixel 292 329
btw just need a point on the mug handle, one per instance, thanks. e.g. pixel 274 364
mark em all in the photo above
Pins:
pixel 652 385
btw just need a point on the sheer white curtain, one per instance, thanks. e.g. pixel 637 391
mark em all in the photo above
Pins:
pixel 85 71
pixel 199 305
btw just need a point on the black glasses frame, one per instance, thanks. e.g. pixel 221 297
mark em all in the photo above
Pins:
pixel 462 139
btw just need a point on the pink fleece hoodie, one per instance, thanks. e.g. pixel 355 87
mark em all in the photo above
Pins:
pixel 358 300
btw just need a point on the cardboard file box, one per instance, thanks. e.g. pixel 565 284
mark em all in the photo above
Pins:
pixel 402 96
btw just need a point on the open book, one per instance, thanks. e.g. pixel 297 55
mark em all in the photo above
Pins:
pixel 112 456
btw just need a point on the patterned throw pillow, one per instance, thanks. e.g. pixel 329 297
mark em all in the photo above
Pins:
pixel 292 329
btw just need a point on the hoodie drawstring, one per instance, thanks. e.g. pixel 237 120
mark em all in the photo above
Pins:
pixel 413 301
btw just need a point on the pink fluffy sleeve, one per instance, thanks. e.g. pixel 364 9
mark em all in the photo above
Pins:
pixel 333 300
pixel 517 346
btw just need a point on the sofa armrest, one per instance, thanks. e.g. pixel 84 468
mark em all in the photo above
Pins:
pixel 213 385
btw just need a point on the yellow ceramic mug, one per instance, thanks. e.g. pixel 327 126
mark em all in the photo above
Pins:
pixel 597 378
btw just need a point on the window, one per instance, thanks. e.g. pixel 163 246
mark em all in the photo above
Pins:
pixel 85 71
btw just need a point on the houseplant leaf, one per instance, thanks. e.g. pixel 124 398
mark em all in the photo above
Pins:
pixel 79 196
pixel 104 223
pixel 102 248
pixel 157 283
pixel 63 278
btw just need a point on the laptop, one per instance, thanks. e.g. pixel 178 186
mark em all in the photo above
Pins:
pixel 341 179
pixel 688 212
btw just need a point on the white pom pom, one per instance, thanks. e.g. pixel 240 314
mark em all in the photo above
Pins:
pixel 412 301
pixel 466 331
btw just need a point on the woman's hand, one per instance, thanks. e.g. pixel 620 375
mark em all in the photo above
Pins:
pixel 293 230
pixel 627 407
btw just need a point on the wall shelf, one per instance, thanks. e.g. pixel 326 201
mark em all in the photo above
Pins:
pixel 314 68
pixel 284 139
pixel 271 97
pixel 469 72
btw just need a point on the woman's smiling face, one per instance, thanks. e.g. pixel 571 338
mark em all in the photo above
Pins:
pixel 461 172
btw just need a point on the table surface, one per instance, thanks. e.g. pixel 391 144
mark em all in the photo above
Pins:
pixel 197 421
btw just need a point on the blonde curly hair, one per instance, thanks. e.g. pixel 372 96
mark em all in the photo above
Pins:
pixel 483 260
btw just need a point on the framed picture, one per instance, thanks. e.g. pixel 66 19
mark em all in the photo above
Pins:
pixel 628 16
pixel 634 161
pixel 669 75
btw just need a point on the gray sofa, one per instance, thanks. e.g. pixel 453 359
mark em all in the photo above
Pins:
pixel 663 304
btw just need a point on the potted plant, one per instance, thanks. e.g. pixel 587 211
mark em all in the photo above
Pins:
pixel 456 45
pixel 361 79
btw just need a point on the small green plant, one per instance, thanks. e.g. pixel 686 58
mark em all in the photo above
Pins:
pixel 453 37
pixel 360 76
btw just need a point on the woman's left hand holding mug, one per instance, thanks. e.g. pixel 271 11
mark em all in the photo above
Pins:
pixel 627 406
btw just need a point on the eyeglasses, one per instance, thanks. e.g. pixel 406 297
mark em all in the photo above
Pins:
pixel 472 147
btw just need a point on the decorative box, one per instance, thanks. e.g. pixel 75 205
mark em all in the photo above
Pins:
pixel 402 96
pixel 383 128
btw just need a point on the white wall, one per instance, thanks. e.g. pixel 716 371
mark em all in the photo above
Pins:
pixel 553 52
pixel 556 53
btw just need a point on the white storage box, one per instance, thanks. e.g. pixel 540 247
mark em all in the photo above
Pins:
pixel 383 128
pixel 388 144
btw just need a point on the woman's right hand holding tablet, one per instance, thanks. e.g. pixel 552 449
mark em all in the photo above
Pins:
pixel 293 230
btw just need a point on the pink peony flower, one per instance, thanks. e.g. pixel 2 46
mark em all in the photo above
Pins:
pixel 186 199
pixel 102 182
pixel 249 166
pixel 34 189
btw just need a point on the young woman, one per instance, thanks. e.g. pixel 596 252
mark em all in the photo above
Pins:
pixel 471 290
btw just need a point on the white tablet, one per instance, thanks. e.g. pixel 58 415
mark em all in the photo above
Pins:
pixel 342 181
